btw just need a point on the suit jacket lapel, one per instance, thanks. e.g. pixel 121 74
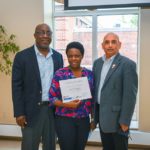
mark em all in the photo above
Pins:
pixel 113 67
pixel 99 69
pixel 54 60
pixel 34 63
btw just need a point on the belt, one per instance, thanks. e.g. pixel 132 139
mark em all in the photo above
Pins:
pixel 43 103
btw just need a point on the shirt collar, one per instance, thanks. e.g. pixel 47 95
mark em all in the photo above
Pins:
pixel 39 53
pixel 110 59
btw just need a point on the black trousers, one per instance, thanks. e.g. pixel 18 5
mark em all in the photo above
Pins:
pixel 42 131
pixel 114 141
pixel 72 133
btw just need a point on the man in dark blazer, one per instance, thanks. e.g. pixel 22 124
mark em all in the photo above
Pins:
pixel 115 94
pixel 33 69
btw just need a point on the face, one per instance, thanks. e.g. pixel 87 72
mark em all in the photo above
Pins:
pixel 42 36
pixel 74 58
pixel 111 45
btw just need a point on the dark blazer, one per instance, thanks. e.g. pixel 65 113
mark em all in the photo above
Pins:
pixel 118 94
pixel 26 83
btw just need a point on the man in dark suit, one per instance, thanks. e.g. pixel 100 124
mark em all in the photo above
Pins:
pixel 115 94
pixel 33 69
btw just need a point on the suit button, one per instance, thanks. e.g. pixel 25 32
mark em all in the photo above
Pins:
pixel 39 103
pixel 40 92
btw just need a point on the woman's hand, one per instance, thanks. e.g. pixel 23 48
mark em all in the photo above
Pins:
pixel 92 125
pixel 71 104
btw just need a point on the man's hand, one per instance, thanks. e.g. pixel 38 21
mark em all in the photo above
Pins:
pixel 124 127
pixel 21 121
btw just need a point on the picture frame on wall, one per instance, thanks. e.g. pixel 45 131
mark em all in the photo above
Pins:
pixel 95 4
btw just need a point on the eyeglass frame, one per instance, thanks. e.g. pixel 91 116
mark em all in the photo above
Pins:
pixel 42 33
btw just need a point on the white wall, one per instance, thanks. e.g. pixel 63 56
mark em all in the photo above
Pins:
pixel 144 75
pixel 20 18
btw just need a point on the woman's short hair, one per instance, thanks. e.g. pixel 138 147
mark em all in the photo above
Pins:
pixel 76 45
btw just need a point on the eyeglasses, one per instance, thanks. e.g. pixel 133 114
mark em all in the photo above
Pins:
pixel 42 33
pixel 107 42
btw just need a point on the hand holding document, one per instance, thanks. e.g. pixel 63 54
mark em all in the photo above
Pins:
pixel 73 89
pixel 72 104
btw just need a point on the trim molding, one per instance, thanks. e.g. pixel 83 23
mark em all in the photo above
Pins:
pixel 140 139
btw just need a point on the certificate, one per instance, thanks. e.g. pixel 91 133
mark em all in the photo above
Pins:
pixel 72 89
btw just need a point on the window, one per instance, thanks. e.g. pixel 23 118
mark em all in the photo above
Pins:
pixel 125 26
pixel 89 27
pixel 69 29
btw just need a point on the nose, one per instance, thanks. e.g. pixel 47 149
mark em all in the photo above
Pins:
pixel 73 58
pixel 110 44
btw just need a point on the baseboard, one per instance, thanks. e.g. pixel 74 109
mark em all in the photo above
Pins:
pixel 11 138
pixel 140 139
pixel 133 146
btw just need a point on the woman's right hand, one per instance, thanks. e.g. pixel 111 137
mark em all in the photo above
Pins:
pixel 72 104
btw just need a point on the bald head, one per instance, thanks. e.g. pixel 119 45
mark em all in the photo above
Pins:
pixel 111 34
pixel 111 44
pixel 42 25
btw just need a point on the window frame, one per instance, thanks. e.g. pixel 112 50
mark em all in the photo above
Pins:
pixel 94 14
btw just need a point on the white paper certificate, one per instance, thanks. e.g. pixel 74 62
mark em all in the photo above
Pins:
pixel 73 89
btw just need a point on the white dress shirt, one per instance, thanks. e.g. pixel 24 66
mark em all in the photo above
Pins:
pixel 105 68
pixel 46 68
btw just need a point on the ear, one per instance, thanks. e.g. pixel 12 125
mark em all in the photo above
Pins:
pixel 119 45
pixel 34 35
pixel 102 45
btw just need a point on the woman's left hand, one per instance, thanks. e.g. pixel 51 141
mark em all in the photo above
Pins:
pixel 92 125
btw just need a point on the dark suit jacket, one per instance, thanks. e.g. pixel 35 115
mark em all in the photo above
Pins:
pixel 26 83
pixel 118 94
